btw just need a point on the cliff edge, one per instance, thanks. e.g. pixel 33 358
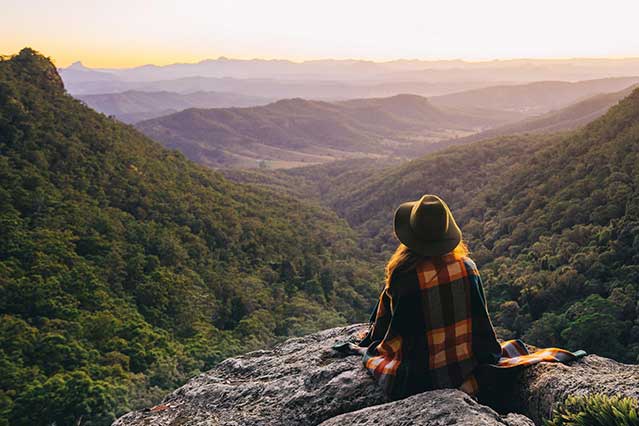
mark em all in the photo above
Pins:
pixel 303 382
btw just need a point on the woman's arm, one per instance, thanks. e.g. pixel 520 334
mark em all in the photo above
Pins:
pixel 379 320
pixel 485 345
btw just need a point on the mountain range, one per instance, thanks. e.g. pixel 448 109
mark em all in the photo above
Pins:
pixel 568 118
pixel 349 69
pixel 533 98
pixel 338 79
pixel 274 88
pixel 296 131
pixel 299 132
pixel 528 99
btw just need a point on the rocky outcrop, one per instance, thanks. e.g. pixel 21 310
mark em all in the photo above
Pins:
pixel 440 407
pixel 304 382
pixel 540 387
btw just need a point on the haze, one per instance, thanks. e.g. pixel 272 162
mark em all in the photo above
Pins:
pixel 135 32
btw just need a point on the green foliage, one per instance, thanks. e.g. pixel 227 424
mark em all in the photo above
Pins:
pixel 125 269
pixel 595 410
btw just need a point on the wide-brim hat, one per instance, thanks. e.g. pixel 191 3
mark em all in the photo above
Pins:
pixel 427 226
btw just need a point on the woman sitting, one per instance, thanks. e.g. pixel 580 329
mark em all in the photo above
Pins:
pixel 431 328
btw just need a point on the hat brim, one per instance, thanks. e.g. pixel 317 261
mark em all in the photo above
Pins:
pixel 405 234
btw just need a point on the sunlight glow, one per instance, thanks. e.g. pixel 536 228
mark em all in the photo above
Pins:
pixel 120 33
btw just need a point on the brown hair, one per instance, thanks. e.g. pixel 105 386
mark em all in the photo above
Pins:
pixel 406 259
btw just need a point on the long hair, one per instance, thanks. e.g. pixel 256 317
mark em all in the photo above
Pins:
pixel 405 259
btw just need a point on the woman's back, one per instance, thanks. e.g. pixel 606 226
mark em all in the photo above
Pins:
pixel 431 328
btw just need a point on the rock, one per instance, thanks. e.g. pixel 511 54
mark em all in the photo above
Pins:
pixel 300 382
pixel 434 408
pixel 304 382
pixel 542 386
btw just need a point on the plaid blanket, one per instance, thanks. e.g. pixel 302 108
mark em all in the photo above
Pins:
pixel 430 329
pixel 515 354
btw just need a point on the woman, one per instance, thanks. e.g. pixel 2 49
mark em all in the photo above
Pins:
pixel 431 328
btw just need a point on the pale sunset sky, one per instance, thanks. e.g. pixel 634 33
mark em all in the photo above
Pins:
pixel 124 33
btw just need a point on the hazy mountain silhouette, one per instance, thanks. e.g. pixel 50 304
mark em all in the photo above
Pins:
pixel 348 69
pixel 568 118
pixel 338 79
pixel 533 98
pixel 133 106
pixel 271 88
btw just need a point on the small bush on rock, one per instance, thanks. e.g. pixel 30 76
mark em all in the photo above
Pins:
pixel 596 410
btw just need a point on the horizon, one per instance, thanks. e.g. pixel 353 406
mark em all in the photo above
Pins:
pixel 346 59
pixel 126 34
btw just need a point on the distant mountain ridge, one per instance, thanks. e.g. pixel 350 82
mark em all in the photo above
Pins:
pixel 133 106
pixel 522 69
pixel 325 89
pixel 533 98
pixel 291 133
pixel 569 118
pixel 296 132
pixel 338 79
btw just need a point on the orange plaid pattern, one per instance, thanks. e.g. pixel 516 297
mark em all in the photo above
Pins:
pixel 389 358
pixel 450 344
pixel 515 354
pixel 429 276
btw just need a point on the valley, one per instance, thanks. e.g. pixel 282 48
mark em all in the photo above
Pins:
pixel 295 132
pixel 231 129
pixel 127 268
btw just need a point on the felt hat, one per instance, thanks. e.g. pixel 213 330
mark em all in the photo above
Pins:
pixel 427 226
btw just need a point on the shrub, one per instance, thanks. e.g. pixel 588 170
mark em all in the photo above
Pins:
pixel 596 410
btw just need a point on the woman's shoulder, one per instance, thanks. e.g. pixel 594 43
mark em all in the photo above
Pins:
pixel 469 265
pixel 404 281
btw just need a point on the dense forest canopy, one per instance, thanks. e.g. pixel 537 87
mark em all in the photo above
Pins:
pixel 125 269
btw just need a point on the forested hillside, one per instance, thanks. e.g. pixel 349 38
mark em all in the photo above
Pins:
pixel 126 269
pixel 552 220
pixel 320 183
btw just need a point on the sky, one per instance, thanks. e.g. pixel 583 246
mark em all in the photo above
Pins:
pixel 124 33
